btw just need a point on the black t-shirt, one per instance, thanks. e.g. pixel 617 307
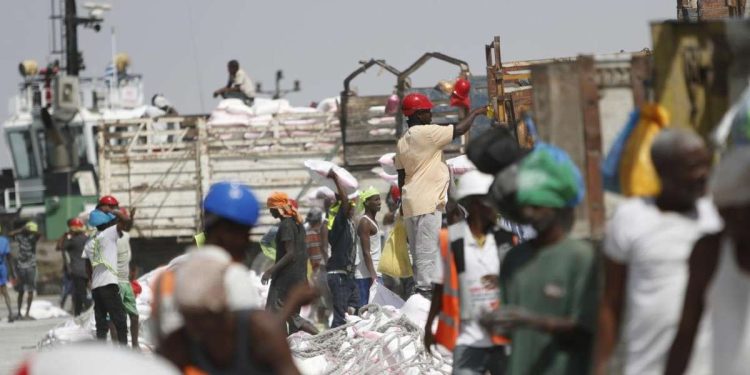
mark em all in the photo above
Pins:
pixel 73 248
pixel 341 238
pixel 290 230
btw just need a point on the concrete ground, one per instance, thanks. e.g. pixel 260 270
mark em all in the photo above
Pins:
pixel 18 339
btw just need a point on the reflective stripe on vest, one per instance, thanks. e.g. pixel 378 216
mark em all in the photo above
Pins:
pixel 163 307
pixel 449 320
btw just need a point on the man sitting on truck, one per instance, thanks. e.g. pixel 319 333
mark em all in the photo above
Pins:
pixel 423 180
pixel 239 85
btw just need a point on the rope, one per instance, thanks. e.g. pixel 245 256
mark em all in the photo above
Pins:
pixel 398 349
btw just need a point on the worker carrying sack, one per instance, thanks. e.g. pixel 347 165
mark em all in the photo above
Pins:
pixel 394 261
pixel 637 174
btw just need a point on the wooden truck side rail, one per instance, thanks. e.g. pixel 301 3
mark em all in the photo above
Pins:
pixel 165 166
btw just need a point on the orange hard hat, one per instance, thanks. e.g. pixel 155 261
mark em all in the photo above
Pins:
pixel 415 102
pixel 461 88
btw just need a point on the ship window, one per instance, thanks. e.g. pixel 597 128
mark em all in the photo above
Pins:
pixel 23 154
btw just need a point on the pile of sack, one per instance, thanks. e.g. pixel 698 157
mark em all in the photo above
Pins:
pixel 382 340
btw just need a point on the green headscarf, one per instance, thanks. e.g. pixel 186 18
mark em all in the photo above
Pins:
pixel 548 178
pixel 364 196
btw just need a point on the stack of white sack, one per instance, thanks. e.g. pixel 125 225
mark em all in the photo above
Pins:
pixel 383 340
pixel 319 170
pixel 235 112
pixel 83 327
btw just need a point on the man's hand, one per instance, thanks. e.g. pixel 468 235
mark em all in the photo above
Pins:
pixel 479 111
pixel 266 276
pixel 505 319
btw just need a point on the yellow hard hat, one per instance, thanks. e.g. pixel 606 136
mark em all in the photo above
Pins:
pixel 32 227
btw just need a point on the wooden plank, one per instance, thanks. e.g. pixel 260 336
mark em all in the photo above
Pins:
pixel 557 106
pixel 593 145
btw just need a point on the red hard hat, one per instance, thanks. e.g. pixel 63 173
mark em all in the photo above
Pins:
pixel 415 102
pixel 75 222
pixel 108 200
pixel 461 88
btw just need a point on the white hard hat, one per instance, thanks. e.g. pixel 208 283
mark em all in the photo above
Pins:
pixel 473 183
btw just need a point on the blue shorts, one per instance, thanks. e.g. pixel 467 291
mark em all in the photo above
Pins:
pixel 3 274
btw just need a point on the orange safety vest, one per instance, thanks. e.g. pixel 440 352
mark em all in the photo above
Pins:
pixel 163 302
pixel 449 320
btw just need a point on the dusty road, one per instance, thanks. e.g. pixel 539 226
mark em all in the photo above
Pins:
pixel 19 338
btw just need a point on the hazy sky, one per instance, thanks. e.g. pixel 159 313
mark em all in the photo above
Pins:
pixel 181 46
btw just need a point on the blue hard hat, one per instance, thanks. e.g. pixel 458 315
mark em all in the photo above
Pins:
pixel 99 217
pixel 232 201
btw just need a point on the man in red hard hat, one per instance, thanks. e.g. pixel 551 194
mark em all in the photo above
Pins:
pixel 423 179
pixel 108 203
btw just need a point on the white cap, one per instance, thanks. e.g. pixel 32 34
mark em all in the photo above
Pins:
pixel 473 183
pixel 208 279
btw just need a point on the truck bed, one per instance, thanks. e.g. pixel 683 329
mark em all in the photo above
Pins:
pixel 165 166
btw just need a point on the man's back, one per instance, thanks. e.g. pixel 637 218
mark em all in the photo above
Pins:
pixel 73 248
pixel 290 230
pixel 655 246
pixel 420 155
pixel 341 237
pixel 243 82
pixel 101 250
pixel 26 249
pixel 124 254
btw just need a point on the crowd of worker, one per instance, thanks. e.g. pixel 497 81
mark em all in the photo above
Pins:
pixel 505 301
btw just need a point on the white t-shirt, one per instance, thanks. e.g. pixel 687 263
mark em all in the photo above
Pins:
pixel 729 298
pixel 482 265
pixel 656 246
pixel 244 83
pixel 361 272
pixel 124 255
pixel 102 251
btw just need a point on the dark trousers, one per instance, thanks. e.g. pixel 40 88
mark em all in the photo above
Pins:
pixel 478 361
pixel 275 303
pixel 345 294
pixel 79 294
pixel 107 301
